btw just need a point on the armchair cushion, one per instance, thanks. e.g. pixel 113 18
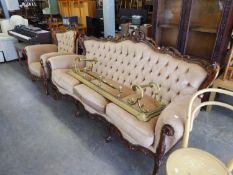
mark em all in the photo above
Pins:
pixel 131 63
pixel 63 80
pixel 141 132
pixel 35 69
pixel 34 52
pixel 91 98
pixel 175 115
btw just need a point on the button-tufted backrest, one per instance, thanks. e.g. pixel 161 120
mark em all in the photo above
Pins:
pixel 136 63
pixel 66 41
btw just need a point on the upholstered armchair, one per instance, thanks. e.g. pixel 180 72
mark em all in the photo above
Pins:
pixel 7 43
pixel 38 55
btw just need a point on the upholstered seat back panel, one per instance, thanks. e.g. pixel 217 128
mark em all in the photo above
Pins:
pixel 66 41
pixel 136 63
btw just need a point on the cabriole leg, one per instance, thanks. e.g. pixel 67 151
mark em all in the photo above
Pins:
pixel 167 130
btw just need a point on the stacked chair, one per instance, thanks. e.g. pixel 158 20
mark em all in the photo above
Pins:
pixel 195 161
pixel 38 55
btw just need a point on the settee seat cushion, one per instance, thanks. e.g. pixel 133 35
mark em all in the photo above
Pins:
pixel 35 69
pixel 64 80
pixel 141 132
pixel 91 98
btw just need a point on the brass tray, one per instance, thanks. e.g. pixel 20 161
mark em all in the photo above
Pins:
pixel 109 90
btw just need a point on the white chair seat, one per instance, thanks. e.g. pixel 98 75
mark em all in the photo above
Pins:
pixel 192 161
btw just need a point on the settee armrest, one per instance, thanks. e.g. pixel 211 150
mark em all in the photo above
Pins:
pixel 34 52
pixel 174 115
pixel 44 58
pixel 63 62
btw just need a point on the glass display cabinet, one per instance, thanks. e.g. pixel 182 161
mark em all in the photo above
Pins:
pixel 199 28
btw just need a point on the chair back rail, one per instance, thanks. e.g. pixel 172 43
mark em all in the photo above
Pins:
pixel 192 112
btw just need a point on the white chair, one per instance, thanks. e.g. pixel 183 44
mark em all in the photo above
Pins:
pixel 7 43
pixel 194 161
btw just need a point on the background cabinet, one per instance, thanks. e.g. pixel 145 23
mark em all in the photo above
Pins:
pixel 80 8
pixel 200 28
pixel 168 22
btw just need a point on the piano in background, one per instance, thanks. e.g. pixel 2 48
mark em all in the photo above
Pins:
pixel 31 35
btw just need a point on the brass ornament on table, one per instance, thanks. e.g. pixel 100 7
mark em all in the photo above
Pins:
pixel 81 58
pixel 139 89
pixel 120 92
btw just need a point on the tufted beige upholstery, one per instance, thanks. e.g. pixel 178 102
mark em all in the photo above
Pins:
pixel 129 63
pixel 135 63
pixel 66 41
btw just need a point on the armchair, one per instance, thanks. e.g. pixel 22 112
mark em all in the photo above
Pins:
pixel 7 43
pixel 195 161
pixel 38 55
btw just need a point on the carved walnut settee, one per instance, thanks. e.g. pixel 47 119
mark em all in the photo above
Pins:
pixel 135 60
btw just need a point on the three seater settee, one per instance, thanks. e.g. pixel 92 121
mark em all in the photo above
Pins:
pixel 136 60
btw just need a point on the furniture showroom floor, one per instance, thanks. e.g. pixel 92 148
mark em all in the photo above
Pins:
pixel 40 136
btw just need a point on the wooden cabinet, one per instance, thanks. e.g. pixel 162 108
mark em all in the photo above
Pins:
pixel 168 22
pixel 200 28
pixel 80 8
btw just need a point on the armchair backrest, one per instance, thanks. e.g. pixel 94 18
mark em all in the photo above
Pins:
pixel 129 63
pixel 66 41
